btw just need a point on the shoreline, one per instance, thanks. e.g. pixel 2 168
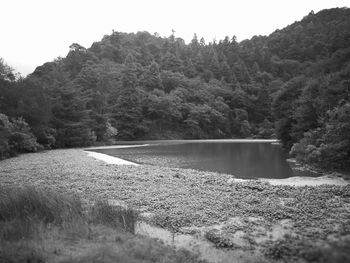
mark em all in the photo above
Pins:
pixel 142 142
pixel 298 181
pixel 299 166
pixel 291 181
pixel 250 217
pixel 109 159
pixel 115 147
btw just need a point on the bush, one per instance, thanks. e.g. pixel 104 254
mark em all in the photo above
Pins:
pixel 266 130
pixel 327 147
pixel 16 137
pixel 5 131
pixel 75 135
pixel 306 150
pixel 45 136
pixel 4 148
pixel 23 142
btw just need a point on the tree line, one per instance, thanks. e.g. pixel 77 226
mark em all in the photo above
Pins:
pixel 292 84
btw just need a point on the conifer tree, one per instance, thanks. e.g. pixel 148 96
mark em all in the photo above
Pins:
pixel 151 78
pixel 127 111
pixel 71 119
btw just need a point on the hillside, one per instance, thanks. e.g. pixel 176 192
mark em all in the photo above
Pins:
pixel 293 84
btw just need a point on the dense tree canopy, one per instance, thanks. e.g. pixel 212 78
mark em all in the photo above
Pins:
pixel 293 84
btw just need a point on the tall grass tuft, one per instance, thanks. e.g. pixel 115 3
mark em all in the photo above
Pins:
pixel 27 203
pixel 40 226
pixel 26 214
pixel 114 216
pixel 20 252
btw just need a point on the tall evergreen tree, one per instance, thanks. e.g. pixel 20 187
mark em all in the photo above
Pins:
pixel 71 119
pixel 127 112
pixel 151 78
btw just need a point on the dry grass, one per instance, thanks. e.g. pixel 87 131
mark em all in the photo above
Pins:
pixel 114 216
pixel 28 203
pixel 43 226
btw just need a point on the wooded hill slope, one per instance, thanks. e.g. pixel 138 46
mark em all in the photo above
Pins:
pixel 293 84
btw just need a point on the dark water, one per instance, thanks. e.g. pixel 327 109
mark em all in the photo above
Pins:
pixel 242 159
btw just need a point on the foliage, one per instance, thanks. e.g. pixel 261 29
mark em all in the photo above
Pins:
pixel 70 120
pixel 15 137
pixel 39 225
pixel 330 146
pixel 293 249
pixel 6 72
pixel 114 216
pixel 29 203
pixel 142 86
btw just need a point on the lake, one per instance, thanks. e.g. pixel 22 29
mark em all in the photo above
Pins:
pixel 241 158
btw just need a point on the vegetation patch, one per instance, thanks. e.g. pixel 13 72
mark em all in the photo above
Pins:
pixel 317 215
pixel 43 226
pixel 114 216
pixel 292 84
pixel 295 249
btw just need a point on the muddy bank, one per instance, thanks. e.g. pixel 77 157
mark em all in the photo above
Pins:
pixel 233 215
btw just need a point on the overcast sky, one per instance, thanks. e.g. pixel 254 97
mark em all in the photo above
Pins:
pixel 37 31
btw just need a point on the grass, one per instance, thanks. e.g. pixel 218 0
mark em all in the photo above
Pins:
pixel 29 203
pixel 294 249
pixel 113 216
pixel 42 226
pixel 318 216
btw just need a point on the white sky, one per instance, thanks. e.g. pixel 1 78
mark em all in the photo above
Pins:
pixel 37 31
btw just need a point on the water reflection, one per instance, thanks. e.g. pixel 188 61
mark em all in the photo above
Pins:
pixel 244 160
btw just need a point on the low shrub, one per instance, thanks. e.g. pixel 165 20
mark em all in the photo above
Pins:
pixel 16 137
pixel 219 239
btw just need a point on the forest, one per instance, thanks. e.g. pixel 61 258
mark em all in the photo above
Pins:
pixel 293 85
